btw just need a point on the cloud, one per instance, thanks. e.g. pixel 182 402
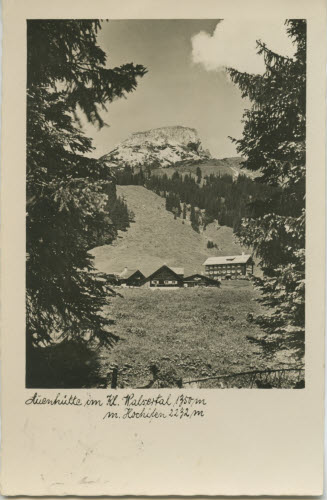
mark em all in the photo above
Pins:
pixel 233 44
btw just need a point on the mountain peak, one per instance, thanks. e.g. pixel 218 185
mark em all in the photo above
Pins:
pixel 170 130
pixel 158 147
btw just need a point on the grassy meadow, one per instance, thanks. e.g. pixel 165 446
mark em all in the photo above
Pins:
pixel 186 333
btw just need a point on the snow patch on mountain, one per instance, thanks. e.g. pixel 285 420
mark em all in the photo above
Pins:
pixel 160 147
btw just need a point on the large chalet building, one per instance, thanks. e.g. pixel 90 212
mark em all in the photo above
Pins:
pixel 229 267
pixel 165 277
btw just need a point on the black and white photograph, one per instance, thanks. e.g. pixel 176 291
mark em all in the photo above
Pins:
pixel 165 203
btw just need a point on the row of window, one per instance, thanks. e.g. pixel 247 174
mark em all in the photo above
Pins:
pixel 233 271
pixel 224 266
pixel 166 282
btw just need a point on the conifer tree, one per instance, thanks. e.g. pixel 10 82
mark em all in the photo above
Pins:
pixel 194 219
pixel 67 192
pixel 273 144
pixel 198 175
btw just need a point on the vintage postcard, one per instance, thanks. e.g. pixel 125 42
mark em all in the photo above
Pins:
pixel 163 233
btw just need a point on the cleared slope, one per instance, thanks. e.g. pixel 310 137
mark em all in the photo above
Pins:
pixel 156 238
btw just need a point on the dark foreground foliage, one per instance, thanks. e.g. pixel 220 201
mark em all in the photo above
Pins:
pixel 70 196
pixel 69 364
pixel 273 144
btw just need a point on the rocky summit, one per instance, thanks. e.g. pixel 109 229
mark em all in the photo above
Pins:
pixel 160 147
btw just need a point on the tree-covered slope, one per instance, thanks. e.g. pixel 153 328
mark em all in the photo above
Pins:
pixel 155 237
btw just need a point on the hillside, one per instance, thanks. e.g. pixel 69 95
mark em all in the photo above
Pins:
pixel 229 166
pixel 160 147
pixel 156 238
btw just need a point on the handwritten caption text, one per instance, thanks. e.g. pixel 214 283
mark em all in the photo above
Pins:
pixel 131 405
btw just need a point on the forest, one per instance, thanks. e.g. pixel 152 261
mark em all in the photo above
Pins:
pixel 219 197
pixel 118 218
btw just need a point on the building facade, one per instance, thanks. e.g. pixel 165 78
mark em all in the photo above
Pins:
pixel 229 267
pixel 165 277
pixel 200 280
pixel 132 277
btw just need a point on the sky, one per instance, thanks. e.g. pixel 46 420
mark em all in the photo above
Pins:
pixel 186 83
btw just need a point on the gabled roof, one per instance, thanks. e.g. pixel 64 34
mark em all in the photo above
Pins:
pixel 227 259
pixel 177 270
pixel 127 273
pixel 177 276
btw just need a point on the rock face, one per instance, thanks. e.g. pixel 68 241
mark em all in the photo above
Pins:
pixel 160 147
